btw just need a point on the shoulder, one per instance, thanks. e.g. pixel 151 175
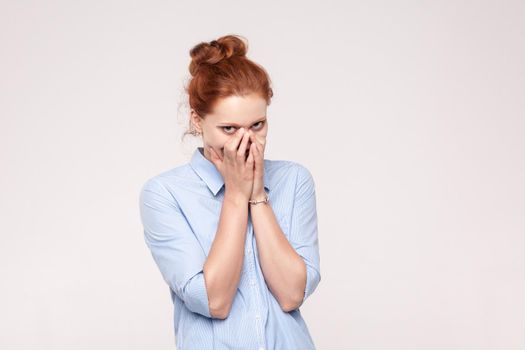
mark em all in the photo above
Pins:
pixel 289 166
pixel 168 181
pixel 294 174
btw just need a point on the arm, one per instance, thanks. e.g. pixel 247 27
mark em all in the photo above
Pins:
pixel 283 269
pixel 291 268
pixel 224 264
pixel 174 246
pixel 180 257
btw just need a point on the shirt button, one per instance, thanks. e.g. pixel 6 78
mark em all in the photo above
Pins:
pixel 252 282
pixel 261 348
pixel 257 316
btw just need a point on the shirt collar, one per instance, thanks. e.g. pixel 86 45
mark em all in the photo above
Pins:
pixel 209 173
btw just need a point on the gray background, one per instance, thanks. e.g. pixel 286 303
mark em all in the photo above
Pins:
pixel 409 114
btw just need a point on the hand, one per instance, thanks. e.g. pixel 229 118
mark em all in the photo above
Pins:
pixel 236 170
pixel 257 150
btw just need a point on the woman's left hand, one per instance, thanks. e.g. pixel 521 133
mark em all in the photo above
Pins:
pixel 257 148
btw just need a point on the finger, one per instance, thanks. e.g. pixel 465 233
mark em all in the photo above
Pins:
pixel 250 160
pixel 257 153
pixel 259 140
pixel 252 137
pixel 212 153
pixel 214 156
pixel 256 148
pixel 262 141
pixel 241 152
pixel 230 147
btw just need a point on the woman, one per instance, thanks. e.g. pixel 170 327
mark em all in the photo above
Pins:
pixel 233 234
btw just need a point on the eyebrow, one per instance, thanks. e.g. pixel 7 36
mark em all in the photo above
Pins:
pixel 237 125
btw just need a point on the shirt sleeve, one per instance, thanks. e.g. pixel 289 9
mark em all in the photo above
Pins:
pixel 304 230
pixel 174 247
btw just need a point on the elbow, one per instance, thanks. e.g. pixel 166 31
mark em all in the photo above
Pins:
pixel 295 300
pixel 219 304
pixel 221 311
pixel 291 305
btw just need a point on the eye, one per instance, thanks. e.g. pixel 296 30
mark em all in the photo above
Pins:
pixel 261 123
pixel 228 127
pixel 231 129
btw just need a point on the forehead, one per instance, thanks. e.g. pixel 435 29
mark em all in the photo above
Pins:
pixel 239 110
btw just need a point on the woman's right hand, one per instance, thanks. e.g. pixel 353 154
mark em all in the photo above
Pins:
pixel 236 170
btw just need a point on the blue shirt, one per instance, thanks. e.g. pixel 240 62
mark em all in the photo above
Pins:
pixel 180 210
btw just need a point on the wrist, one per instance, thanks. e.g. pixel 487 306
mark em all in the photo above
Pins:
pixel 260 195
pixel 237 198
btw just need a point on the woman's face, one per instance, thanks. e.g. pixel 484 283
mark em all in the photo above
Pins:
pixel 230 114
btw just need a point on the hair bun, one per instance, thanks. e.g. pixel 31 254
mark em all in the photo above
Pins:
pixel 215 51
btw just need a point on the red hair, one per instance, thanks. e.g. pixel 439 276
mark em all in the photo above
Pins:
pixel 220 69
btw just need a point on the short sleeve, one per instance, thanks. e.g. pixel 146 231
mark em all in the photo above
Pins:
pixel 304 229
pixel 174 247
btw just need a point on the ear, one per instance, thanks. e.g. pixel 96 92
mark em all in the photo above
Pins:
pixel 196 120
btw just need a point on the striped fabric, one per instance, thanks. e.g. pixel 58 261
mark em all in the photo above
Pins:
pixel 180 210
